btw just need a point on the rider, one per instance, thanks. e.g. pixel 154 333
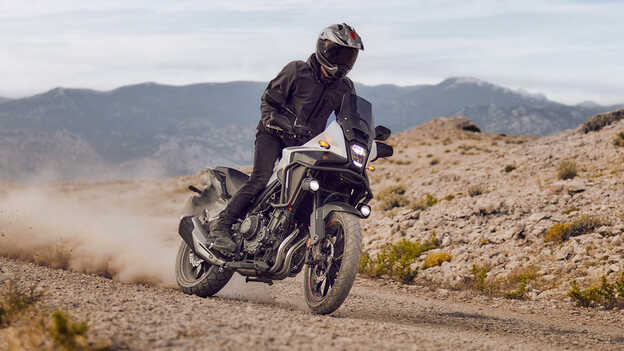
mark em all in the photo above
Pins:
pixel 295 106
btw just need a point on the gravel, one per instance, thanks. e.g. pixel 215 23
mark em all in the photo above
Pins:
pixel 374 317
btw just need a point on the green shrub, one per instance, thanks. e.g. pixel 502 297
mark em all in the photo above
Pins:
pixel 479 278
pixel 436 258
pixel 608 295
pixel 67 334
pixel 519 293
pixel 395 260
pixel 392 197
pixel 15 301
pixel 567 170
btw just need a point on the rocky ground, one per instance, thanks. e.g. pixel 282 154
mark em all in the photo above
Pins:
pixel 374 317
pixel 516 197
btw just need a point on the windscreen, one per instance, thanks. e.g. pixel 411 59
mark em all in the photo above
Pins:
pixel 356 120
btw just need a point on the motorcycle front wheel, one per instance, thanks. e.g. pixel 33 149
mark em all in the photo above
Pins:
pixel 198 277
pixel 327 284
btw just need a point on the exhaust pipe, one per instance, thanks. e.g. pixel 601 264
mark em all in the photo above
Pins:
pixel 281 251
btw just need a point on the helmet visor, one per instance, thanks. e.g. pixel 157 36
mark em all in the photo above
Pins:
pixel 340 55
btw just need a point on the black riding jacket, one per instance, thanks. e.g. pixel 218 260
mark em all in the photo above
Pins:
pixel 301 88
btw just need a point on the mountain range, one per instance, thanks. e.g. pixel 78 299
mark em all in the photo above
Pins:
pixel 154 129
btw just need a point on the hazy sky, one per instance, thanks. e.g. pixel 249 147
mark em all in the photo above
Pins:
pixel 569 50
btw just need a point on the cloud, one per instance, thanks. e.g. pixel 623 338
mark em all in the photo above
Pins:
pixel 535 44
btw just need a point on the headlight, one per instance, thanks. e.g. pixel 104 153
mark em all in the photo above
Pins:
pixel 358 155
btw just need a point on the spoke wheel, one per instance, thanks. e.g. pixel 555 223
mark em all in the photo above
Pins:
pixel 328 282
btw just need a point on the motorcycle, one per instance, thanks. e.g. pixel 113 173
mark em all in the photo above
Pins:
pixel 307 218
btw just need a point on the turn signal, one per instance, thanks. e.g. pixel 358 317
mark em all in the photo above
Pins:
pixel 324 144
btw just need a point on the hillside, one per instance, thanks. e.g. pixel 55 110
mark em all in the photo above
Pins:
pixel 169 130
pixel 494 198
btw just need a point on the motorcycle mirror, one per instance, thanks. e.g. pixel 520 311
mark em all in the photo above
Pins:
pixel 384 150
pixel 382 133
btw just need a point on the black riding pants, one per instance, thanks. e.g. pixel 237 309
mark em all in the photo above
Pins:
pixel 268 149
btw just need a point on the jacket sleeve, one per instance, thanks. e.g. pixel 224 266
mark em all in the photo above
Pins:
pixel 278 92
pixel 350 88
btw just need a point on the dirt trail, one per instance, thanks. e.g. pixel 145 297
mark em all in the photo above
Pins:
pixel 136 316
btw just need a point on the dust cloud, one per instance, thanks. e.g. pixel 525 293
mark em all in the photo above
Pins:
pixel 92 229
pixel 123 229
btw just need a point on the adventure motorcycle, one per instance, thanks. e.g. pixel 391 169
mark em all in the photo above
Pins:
pixel 306 219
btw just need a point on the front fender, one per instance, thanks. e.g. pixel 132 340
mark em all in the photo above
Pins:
pixel 317 220
pixel 330 207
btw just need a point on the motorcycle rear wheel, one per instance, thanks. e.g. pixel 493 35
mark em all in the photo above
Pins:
pixel 344 242
pixel 202 279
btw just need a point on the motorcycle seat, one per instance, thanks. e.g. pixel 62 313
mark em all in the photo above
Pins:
pixel 234 179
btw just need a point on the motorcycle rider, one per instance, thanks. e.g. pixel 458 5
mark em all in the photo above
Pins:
pixel 295 106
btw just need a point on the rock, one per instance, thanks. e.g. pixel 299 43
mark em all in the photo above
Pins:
pixel 564 253
pixel 536 217
pixel 467 125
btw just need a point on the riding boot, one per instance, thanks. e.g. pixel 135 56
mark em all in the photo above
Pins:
pixel 221 234
pixel 221 228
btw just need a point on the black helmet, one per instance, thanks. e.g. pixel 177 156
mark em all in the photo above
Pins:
pixel 337 49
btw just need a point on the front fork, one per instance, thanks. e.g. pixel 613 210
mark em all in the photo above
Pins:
pixel 314 255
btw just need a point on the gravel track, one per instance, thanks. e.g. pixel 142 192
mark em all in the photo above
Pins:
pixel 374 317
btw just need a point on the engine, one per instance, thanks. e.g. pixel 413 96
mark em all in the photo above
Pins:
pixel 262 234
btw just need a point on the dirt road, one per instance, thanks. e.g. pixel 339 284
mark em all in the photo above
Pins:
pixel 254 316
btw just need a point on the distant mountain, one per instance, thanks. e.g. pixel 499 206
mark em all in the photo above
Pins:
pixel 2 99
pixel 153 129
pixel 493 108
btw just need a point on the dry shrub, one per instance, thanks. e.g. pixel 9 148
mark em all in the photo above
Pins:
pixel 582 225
pixel 600 121
pixel 449 197
pixel 571 209
pixel 567 170
pixel 476 190
pixel 424 202
pixel 434 161
pixel 509 168
pixel 619 139
pixel 392 196
pixel 515 284
pixel 436 258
